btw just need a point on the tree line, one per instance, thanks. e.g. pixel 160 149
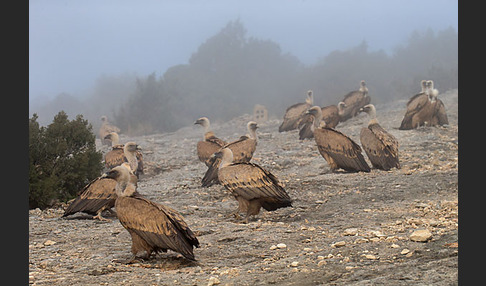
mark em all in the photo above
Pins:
pixel 231 72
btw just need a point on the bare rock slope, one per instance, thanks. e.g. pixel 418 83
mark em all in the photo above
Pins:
pixel 343 228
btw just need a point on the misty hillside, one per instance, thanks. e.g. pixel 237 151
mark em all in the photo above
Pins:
pixel 231 72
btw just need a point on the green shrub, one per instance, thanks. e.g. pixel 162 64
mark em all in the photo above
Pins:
pixel 62 159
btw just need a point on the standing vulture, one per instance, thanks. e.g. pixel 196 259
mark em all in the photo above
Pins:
pixel 338 150
pixel 130 152
pixel 105 128
pixel 380 146
pixel 210 143
pixel 97 196
pixel 251 185
pixel 293 114
pixel 439 116
pixel 242 149
pixel 330 114
pixel 152 226
pixel 354 101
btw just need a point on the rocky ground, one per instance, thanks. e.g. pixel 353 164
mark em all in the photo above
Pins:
pixel 343 228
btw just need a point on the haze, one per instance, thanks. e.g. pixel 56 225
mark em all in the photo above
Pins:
pixel 72 43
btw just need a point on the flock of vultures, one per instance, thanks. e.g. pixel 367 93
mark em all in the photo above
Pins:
pixel 156 228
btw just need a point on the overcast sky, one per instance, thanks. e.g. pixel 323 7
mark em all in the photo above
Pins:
pixel 72 43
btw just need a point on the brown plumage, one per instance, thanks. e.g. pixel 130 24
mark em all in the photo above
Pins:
pixel 210 143
pixel 424 108
pixel 354 101
pixel 380 146
pixel 251 185
pixel 97 196
pixel 293 115
pixel 330 114
pixel 105 128
pixel 242 149
pixel 338 150
pixel 152 226
pixel 119 153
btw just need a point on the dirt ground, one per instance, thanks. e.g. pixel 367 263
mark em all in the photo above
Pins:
pixel 343 228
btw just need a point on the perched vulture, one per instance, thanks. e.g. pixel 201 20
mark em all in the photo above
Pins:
pixel 242 149
pixel 338 150
pixel 354 101
pixel 152 226
pixel 105 128
pixel 210 143
pixel 251 185
pixel 380 146
pixel 119 153
pixel 293 114
pixel 97 196
pixel 330 114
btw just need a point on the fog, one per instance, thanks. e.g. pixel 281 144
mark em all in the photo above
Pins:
pixel 76 48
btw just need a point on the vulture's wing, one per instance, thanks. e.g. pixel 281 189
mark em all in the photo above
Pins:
pixel 440 113
pixel 380 146
pixel 242 149
pixel 97 194
pixel 414 105
pixel 205 149
pixel 114 157
pixel 293 116
pixel 160 226
pixel 250 181
pixel 305 127
pixel 342 149
pixel 330 115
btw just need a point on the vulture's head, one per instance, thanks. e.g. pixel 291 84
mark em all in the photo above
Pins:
pixel 226 156
pixel 118 173
pixel 104 118
pixel 314 110
pixel 362 83
pixel 252 125
pixel 131 146
pixel 203 121
pixel 310 97
pixel 113 136
pixel 369 108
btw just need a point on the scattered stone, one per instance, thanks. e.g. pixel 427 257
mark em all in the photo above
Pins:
pixel 273 247
pixel 321 262
pixel 404 251
pixel 350 231
pixel 213 281
pixel 281 245
pixel 395 245
pixel 49 242
pixel 370 256
pixel 339 244
pixel 294 264
pixel 421 235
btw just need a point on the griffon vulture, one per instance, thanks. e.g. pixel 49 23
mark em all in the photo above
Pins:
pixel 439 116
pixel 242 149
pixel 380 146
pixel 338 150
pixel 210 143
pixel 130 152
pixel 293 114
pixel 97 196
pixel 152 226
pixel 354 101
pixel 330 114
pixel 424 109
pixel 251 185
pixel 105 128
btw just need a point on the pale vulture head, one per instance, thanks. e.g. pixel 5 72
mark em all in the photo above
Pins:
pixel 310 97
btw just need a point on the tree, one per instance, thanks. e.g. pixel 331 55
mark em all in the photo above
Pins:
pixel 62 159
